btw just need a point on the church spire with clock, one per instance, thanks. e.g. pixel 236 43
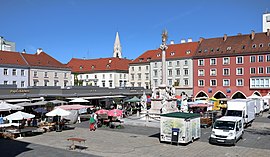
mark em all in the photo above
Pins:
pixel 117 49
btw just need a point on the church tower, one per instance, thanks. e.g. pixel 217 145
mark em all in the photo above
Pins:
pixel 266 21
pixel 117 49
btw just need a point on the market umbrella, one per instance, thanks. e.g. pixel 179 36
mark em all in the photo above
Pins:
pixel 58 112
pixel 79 100
pixel 73 107
pixel 254 96
pixel 19 115
pixel 102 111
pixel 7 107
pixel 40 110
pixel 58 101
pixel 115 113
pixel 134 99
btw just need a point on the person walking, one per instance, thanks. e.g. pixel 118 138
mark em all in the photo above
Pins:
pixel 92 123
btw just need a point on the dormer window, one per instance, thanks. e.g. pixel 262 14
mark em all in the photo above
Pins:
pixel 172 53
pixel 141 59
pixel 108 66
pixel 212 49
pixel 148 59
pixel 217 49
pixel 261 45
pixel 81 67
pixel 229 48
pixel 243 46
pixel 93 67
pixel 205 50
pixel 254 46
pixel 200 51
pixel 158 55
pixel 268 44
pixel 188 52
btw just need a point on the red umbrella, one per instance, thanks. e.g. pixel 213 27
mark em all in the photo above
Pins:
pixel 115 113
pixel 102 111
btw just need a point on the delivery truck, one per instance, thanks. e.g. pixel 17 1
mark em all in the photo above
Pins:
pixel 179 127
pixel 244 108
pixel 227 130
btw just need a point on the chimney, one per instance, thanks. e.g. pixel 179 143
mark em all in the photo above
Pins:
pixel 225 37
pixel 252 34
pixel 189 40
pixel 183 41
pixel 39 50
pixel 268 32
pixel 172 42
pixel 23 51
pixel 200 40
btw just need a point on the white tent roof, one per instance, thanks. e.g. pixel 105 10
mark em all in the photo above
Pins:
pixel 254 96
pixel 6 107
pixel 79 100
pixel 58 112
pixel 19 115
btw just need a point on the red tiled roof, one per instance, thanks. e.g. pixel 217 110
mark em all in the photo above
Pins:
pixel 11 58
pixel 42 60
pixel 233 45
pixel 184 50
pixel 101 64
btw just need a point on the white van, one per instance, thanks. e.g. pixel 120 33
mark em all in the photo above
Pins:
pixel 227 130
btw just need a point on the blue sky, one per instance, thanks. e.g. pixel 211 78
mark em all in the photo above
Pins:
pixel 68 29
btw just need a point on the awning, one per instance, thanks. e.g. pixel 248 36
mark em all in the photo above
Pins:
pixel 18 100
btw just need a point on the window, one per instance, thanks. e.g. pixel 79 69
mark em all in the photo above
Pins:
pixel 103 83
pixel 132 68
pixel 103 76
pixel 146 76
pixel 170 64
pixel 22 84
pixel 46 74
pixel 132 76
pixel 239 82
pixel 55 74
pixel 213 82
pixel 201 62
pixel 139 84
pixel 239 71
pixel 158 55
pixel 110 83
pixel 5 82
pixel 155 64
pixel 226 82
pixel 226 61
pixel 155 82
pixel 213 61
pixel 229 48
pixel 95 76
pixel 155 73
pixel 139 76
pixel 261 45
pixel 140 68
pixel 260 59
pixel 188 52
pixel 200 72
pixel 110 76
pixel 185 82
pixel 65 75
pixel 5 71
pixel 178 62
pixel 213 72
pixel 186 62
pixel 14 82
pixel 14 72
pixel 55 83
pixel 177 72
pixel 252 70
pixel 226 71
pixel 22 73
pixel 243 46
pixel 170 82
pixel 267 58
pixel 185 71
pixel 200 82
pixel 254 46
pixel 35 73
pixel 239 60
pixel 132 84
pixel 170 72
pixel 252 59
pixel 260 70
pixel 46 82
pixel 267 70
pixel 146 67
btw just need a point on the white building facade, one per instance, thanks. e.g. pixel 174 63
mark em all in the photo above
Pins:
pixel 14 75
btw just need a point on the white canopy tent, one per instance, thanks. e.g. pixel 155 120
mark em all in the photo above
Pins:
pixel 58 112
pixel 7 106
pixel 78 100
pixel 19 115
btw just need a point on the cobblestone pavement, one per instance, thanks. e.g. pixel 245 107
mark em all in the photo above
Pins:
pixel 104 142
pixel 139 139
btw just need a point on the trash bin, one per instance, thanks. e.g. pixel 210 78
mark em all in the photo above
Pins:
pixel 175 135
